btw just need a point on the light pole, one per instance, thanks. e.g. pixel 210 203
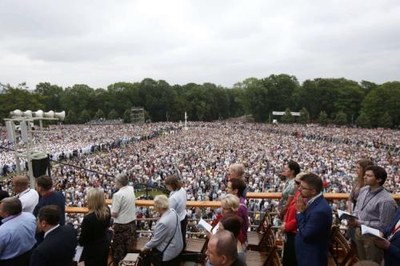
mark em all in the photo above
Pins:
pixel 20 134
pixel 186 128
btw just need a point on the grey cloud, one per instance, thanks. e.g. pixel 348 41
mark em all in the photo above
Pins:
pixel 201 41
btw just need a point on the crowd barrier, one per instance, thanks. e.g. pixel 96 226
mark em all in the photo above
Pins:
pixel 217 204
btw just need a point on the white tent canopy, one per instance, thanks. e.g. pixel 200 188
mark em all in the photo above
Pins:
pixel 282 113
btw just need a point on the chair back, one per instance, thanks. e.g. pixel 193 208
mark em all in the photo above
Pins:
pixel 340 249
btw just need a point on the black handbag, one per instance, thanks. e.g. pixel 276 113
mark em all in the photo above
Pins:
pixel 156 257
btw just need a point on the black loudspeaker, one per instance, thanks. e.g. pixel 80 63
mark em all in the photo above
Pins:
pixel 40 166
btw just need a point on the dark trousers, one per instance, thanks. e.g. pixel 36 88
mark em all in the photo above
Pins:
pixel 289 252
pixel 124 236
pixel 172 262
pixel 184 223
pixel 21 260
pixel 155 258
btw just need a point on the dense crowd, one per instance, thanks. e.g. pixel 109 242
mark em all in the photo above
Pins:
pixel 88 155
pixel 204 157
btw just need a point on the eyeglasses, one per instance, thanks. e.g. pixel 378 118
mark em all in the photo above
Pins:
pixel 304 188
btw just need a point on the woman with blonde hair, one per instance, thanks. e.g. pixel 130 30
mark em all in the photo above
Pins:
pixel 229 205
pixel 94 230
pixel 230 221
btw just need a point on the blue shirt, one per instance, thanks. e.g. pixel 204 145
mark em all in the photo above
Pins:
pixel 17 235
pixel 177 201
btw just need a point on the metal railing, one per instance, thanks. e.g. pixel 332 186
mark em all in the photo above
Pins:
pixel 217 204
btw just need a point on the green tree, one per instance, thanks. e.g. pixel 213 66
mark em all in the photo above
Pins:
pixel 349 98
pixel 321 95
pixel 368 86
pixel 280 89
pixel 323 118
pixel 50 96
pixel 382 99
pixel 127 116
pixel 113 115
pixel 199 106
pixel 181 104
pixel 219 101
pixel 235 100
pixel 101 101
pixel 287 117
pixel 341 118
pixel 99 114
pixel 71 118
pixel 78 98
pixel 119 96
pixel 363 120
pixel 158 98
pixel 84 116
pixel 255 99
pixel 304 116
pixel 386 121
pixel 18 98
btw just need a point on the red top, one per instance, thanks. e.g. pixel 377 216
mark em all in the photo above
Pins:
pixel 290 216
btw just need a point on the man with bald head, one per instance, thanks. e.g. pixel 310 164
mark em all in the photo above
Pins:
pixel 222 250
pixel 28 196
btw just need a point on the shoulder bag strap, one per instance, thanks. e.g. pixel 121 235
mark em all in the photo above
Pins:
pixel 177 220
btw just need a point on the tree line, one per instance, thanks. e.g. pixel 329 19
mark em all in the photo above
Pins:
pixel 334 100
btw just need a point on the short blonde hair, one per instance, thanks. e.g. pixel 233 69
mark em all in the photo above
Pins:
pixel 161 202
pixel 231 201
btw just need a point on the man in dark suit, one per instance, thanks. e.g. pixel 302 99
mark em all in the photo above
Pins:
pixel 391 245
pixel 314 221
pixel 3 194
pixel 58 246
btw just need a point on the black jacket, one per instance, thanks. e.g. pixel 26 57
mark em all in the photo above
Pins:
pixel 57 248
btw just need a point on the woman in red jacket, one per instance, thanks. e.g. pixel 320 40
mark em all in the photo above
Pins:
pixel 289 227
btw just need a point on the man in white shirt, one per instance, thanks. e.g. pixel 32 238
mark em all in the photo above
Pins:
pixel 28 196
pixel 123 210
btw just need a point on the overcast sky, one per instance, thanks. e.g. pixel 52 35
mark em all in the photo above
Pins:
pixel 99 42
